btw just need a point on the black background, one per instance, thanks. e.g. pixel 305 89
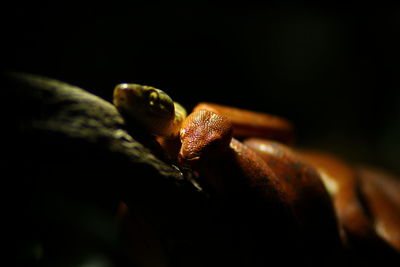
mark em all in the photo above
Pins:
pixel 332 70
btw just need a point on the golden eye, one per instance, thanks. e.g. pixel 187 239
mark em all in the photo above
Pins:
pixel 153 98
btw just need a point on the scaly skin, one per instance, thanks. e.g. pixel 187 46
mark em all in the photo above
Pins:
pixel 367 200
pixel 306 192
pixel 154 111
pixel 235 173
pixel 152 108
pixel 229 168
pixel 342 182
pixel 159 115
pixel 255 124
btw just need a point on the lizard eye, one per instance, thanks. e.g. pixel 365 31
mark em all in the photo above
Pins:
pixel 154 101
pixel 153 98
pixel 159 103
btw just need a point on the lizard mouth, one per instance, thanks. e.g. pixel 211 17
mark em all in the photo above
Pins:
pixel 194 158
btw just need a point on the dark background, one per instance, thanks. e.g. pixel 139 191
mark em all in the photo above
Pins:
pixel 332 70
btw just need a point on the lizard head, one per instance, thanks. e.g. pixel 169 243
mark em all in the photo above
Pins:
pixel 202 134
pixel 146 105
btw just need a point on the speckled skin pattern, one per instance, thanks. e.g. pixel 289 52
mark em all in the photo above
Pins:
pixel 250 123
pixel 206 136
pixel 365 207
pixel 306 193
pixel 253 196
pixel 295 187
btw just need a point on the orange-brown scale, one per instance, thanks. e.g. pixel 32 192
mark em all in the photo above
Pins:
pixel 242 180
pixel 349 208
pixel 306 193
pixel 207 136
pixel 250 123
